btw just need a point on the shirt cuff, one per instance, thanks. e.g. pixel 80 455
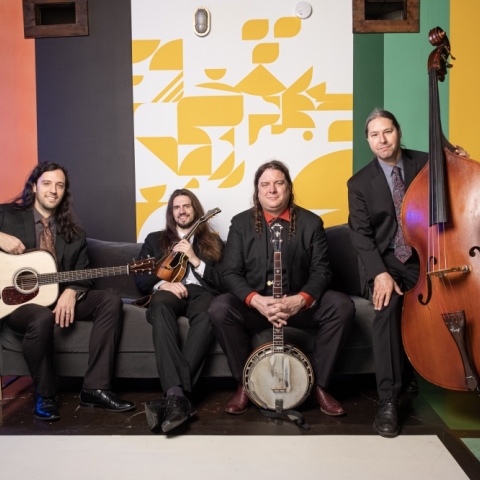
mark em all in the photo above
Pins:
pixel 249 298
pixel 309 301
pixel 201 268
pixel 157 285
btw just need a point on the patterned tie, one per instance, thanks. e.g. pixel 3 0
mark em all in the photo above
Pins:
pixel 402 251
pixel 46 238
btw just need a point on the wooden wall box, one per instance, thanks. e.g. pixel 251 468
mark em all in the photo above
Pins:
pixel 361 24
pixel 55 18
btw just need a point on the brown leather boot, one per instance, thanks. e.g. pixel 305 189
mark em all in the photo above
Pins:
pixel 328 404
pixel 238 403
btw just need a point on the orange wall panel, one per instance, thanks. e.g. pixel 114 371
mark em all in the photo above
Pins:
pixel 18 117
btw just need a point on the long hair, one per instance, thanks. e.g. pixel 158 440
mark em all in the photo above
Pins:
pixel 66 222
pixel 257 207
pixel 205 238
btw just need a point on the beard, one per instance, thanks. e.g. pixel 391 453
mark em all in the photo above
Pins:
pixel 185 225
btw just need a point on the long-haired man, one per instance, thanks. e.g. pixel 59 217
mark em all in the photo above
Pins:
pixel 179 367
pixel 247 270
pixel 42 217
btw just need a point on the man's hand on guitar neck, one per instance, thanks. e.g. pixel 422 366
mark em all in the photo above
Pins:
pixel 65 308
pixel 11 244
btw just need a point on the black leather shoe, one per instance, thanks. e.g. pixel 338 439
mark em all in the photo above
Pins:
pixel 155 412
pixel 46 408
pixel 105 399
pixel 178 410
pixel 386 420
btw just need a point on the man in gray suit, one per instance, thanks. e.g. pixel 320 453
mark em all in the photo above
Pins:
pixel 247 267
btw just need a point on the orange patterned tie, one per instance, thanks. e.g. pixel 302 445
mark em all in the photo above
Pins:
pixel 46 238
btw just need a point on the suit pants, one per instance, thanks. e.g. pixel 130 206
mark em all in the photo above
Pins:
pixel 386 332
pixel 180 366
pixel 234 321
pixel 36 323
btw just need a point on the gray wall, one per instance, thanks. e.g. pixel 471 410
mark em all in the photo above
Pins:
pixel 85 117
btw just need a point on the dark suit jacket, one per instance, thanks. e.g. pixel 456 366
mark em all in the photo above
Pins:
pixel 372 218
pixel 244 264
pixel 70 256
pixel 211 280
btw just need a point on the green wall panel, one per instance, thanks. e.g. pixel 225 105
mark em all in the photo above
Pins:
pixel 368 91
pixel 406 75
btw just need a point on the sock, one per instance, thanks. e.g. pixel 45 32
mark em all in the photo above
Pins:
pixel 177 390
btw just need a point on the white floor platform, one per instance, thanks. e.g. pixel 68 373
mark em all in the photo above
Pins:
pixel 226 457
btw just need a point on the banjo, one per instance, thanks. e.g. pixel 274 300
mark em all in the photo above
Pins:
pixel 277 376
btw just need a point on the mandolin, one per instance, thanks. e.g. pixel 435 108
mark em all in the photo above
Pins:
pixel 173 266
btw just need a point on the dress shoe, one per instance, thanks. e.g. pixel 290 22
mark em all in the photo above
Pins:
pixel 46 408
pixel 105 399
pixel 178 409
pixel 239 402
pixel 386 420
pixel 155 411
pixel 328 404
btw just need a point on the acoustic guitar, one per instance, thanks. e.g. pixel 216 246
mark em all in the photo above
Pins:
pixel 33 278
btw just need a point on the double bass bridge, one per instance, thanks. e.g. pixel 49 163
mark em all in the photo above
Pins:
pixel 444 272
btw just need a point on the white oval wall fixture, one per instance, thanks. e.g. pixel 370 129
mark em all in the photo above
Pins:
pixel 201 22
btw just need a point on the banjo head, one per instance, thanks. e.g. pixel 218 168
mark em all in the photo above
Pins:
pixel 269 377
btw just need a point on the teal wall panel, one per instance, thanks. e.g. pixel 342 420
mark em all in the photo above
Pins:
pixel 406 75
pixel 368 89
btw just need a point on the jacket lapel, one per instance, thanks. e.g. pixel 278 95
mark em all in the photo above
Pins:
pixel 292 245
pixel 29 225
pixel 59 248
pixel 411 169
pixel 261 251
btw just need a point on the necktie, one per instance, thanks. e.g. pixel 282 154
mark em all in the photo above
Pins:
pixel 46 238
pixel 402 251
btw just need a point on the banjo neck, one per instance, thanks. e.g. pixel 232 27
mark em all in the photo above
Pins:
pixel 278 342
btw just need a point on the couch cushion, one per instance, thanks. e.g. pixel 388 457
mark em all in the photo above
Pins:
pixel 114 254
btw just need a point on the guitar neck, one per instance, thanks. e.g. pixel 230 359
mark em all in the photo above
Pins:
pixel 75 275
pixel 278 341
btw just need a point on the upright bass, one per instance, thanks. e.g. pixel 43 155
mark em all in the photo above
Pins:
pixel 441 220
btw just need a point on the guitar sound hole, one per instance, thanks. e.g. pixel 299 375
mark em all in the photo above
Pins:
pixel 26 281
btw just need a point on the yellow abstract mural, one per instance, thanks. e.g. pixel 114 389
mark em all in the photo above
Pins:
pixel 209 111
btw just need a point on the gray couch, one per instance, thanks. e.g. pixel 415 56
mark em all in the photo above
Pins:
pixel 136 357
